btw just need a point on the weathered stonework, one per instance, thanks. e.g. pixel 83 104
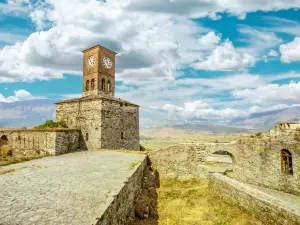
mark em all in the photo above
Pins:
pixel 256 160
pixel 104 122
pixel 268 209
pixel 27 142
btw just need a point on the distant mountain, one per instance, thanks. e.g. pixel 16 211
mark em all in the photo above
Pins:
pixel 26 113
pixel 266 120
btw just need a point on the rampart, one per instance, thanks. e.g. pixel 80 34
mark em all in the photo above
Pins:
pixel 257 160
pixel 270 210
pixel 27 142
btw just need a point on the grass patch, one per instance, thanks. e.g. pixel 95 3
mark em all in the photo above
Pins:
pixel 12 160
pixel 7 171
pixel 190 202
pixel 133 164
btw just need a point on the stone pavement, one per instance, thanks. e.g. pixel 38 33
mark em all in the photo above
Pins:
pixel 72 189
pixel 287 201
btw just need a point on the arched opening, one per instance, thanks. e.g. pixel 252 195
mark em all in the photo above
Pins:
pixel 4 149
pixel 92 84
pixel 3 140
pixel 221 161
pixel 286 162
pixel 122 135
pixel 87 85
pixel 87 136
pixel 108 86
pixel 103 84
pixel 221 157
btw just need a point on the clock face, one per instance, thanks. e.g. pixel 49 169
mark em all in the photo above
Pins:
pixel 91 61
pixel 106 62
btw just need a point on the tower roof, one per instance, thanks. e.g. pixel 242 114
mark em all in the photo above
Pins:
pixel 99 46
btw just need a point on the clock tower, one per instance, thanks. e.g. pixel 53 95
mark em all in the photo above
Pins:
pixel 98 71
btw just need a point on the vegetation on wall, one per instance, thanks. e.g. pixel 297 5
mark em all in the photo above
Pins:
pixel 257 135
pixel 50 124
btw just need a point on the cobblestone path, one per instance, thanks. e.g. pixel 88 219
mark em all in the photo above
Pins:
pixel 71 189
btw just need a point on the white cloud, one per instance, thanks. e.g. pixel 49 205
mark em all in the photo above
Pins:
pixel 209 40
pixel 259 40
pixel 19 95
pixel 290 52
pixel 202 111
pixel 273 53
pixel 225 57
pixel 271 93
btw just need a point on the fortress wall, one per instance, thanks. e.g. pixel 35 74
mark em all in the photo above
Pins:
pixel 259 162
pixel 85 116
pixel 183 160
pixel 121 209
pixel 268 209
pixel 41 142
pixel 120 124
pixel 256 161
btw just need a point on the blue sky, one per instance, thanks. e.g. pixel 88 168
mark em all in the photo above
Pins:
pixel 180 60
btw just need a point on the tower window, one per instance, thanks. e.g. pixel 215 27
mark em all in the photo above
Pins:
pixel 122 135
pixel 92 84
pixel 286 162
pixel 87 85
pixel 87 136
pixel 108 86
pixel 103 84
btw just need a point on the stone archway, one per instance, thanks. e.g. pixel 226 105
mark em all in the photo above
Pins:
pixel 3 140
pixel 222 157
pixel 221 161
pixel 4 149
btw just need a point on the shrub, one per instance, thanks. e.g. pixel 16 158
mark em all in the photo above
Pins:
pixel 257 135
pixel 4 151
pixel 50 124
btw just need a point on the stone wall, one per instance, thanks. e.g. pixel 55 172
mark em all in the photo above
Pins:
pixel 121 208
pixel 259 162
pixel 120 125
pixel 268 209
pixel 27 142
pixel 255 160
pixel 84 116
pixel 106 123
pixel 182 161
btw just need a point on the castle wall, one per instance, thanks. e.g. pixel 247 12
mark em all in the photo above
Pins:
pixel 109 123
pixel 259 162
pixel 267 208
pixel 256 160
pixel 41 142
pixel 120 125
pixel 85 116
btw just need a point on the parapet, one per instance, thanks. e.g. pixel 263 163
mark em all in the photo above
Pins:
pixel 287 125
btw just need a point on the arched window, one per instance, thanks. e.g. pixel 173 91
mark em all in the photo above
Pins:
pixel 92 84
pixel 108 86
pixel 3 140
pixel 286 162
pixel 122 135
pixel 103 84
pixel 87 136
pixel 87 85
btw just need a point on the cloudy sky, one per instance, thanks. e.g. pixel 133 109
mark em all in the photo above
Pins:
pixel 190 60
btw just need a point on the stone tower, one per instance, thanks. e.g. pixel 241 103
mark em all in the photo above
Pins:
pixel 104 121
pixel 98 71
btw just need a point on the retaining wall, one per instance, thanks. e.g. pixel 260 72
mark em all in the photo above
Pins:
pixel 121 209
pixel 267 208
pixel 28 142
